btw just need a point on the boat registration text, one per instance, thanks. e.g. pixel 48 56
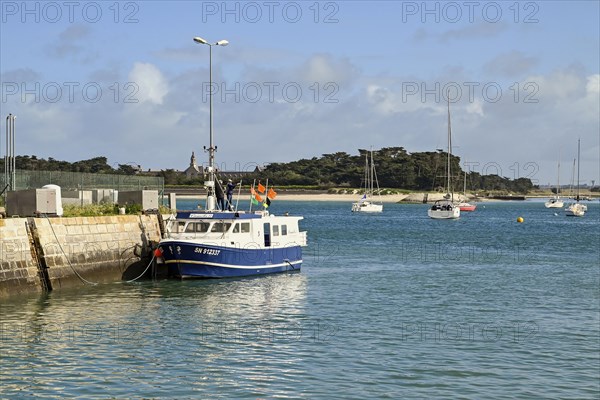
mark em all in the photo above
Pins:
pixel 210 252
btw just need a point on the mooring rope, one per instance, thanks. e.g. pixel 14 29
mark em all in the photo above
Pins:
pixel 142 274
pixel 64 254
pixel 290 264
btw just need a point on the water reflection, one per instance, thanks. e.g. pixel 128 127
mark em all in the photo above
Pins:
pixel 94 339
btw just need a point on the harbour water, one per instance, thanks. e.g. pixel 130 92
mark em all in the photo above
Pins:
pixel 394 305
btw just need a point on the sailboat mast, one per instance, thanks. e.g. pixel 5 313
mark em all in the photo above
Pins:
pixel 371 177
pixel 366 173
pixel 558 176
pixel 449 148
pixel 578 159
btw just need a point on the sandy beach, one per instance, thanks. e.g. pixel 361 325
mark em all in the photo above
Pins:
pixel 390 198
pixel 350 198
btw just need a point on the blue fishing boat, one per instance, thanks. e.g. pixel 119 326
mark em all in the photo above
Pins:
pixel 217 244
pixel 219 241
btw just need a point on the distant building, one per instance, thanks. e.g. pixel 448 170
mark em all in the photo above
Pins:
pixel 237 175
pixel 193 171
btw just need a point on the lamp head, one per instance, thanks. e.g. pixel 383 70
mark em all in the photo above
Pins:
pixel 198 39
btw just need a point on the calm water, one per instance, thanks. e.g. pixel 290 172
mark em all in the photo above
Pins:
pixel 387 306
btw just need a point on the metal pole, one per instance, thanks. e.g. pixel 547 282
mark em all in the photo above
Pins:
pixel 6 151
pixel 14 166
pixel 211 148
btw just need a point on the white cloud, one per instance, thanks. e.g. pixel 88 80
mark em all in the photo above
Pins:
pixel 476 107
pixel 593 85
pixel 153 86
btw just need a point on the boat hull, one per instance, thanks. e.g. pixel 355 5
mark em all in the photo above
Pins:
pixel 444 214
pixel 192 260
pixel 467 207
pixel 367 207
pixel 554 204
pixel 576 210
pixel 444 209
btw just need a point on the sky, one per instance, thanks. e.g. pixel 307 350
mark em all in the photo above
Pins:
pixel 301 79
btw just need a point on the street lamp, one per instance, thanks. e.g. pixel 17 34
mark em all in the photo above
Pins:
pixel 9 158
pixel 210 200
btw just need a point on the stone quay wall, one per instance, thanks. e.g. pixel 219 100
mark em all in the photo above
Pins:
pixel 38 254
pixel 18 266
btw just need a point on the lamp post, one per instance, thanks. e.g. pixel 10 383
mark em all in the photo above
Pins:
pixel 9 158
pixel 210 199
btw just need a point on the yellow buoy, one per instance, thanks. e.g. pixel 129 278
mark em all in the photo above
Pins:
pixel 520 220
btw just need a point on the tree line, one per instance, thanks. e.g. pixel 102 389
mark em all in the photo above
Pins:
pixel 96 165
pixel 396 169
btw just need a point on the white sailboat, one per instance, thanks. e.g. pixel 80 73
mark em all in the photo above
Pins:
pixel 446 209
pixel 366 203
pixel 576 209
pixel 556 201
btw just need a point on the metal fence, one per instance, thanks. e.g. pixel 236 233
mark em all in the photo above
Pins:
pixel 83 181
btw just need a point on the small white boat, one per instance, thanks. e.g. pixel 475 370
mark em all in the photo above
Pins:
pixel 576 209
pixel 366 203
pixel 556 201
pixel 446 209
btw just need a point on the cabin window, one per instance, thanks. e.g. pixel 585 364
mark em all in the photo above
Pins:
pixel 275 230
pixel 283 230
pixel 199 227
pixel 202 227
pixel 243 227
pixel 267 234
pixel 180 227
pixel 220 226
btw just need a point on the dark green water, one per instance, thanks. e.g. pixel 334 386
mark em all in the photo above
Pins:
pixel 387 306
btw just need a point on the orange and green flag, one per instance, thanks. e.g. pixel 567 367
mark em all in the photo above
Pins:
pixel 255 197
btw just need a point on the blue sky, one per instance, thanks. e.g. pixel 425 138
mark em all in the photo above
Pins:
pixel 301 79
